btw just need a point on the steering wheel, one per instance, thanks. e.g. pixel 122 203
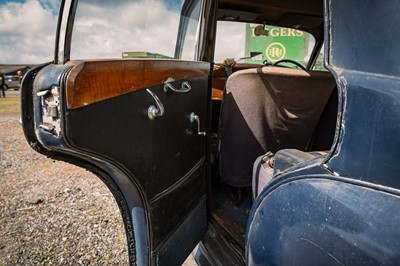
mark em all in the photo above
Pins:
pixel 288 61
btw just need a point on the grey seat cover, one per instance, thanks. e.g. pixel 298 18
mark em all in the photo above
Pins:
pixel 268 109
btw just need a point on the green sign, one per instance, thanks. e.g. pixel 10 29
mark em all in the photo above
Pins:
pixel 273 43
pixel 143 55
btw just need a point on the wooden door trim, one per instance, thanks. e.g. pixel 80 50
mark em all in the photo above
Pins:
pixel 96 80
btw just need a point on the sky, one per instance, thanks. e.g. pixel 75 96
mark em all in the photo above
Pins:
pixel 27 30
pixel 28 27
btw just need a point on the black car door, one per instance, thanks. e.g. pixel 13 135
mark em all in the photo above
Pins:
pixel 138 123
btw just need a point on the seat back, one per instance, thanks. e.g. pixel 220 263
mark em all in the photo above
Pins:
pixel 268 109
pixel 326 127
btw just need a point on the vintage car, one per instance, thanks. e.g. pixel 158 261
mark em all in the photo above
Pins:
pixel 12 81
pixel 237 144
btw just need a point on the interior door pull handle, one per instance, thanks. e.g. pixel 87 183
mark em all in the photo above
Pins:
pixel 195 118
pixel 185 87
pixel 154 111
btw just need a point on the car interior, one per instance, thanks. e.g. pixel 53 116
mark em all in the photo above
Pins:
pixel 267 117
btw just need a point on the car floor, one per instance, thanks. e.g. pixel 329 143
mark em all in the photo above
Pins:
pixel 228 216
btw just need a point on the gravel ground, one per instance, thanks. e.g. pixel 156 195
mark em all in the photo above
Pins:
pixel 53 213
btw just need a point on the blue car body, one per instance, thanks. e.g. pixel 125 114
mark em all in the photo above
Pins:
pixel 344 211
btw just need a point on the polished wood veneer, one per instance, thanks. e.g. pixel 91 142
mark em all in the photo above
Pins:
pixel 97 80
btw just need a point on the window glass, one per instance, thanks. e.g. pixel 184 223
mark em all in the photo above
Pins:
pixel 190 27
pixel 253 43
pixel 319 64
pixel 133 29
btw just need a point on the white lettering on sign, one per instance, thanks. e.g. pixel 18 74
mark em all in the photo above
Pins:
pixel 285 32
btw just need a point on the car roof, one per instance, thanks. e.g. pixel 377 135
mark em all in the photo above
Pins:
pixel 300 14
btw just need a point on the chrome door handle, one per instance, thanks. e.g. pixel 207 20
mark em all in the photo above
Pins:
pixel 153 111
pixel 193 117
pixel 185 87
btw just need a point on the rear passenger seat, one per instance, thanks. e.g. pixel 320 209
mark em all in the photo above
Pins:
pixel 268 109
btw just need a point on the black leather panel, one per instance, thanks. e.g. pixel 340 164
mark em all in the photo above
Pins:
pixel 160 154
pixel 163 149
pixel 180 201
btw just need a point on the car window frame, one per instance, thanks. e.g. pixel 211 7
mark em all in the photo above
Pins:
pixel 188 8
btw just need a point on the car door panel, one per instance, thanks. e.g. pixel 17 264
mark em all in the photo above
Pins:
pixel 106 129
pixel 119 129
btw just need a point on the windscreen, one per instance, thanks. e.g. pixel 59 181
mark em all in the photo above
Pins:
pixel 258 44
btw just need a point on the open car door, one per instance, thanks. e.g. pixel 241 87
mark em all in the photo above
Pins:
pixel 139 124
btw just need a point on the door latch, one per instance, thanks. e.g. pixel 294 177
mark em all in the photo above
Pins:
pixel 50 104
pixel 195 118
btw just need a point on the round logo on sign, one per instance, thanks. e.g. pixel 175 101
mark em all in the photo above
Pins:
pixel 275 51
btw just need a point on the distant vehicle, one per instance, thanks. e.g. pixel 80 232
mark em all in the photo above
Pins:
pixel 12 81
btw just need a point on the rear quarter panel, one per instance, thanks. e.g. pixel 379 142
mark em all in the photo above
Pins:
pixel 318 219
